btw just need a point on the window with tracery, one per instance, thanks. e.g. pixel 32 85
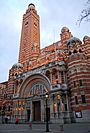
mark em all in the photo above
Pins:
pixel 38 89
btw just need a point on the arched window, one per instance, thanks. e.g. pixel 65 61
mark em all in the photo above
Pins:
pixel 75 51
pixel 70 53
pixel 21 80
pixel 38 89
pixel 54 76
pixel 48 74
pixel 16 82
pixel 16 74
pixel 80 51
pixel 62 76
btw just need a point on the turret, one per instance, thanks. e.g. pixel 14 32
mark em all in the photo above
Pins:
pixel 65 35
pixel 78 76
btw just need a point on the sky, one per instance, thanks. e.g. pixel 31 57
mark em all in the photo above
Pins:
pixel 54 15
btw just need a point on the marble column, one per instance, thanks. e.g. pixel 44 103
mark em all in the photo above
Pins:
pixel 42 110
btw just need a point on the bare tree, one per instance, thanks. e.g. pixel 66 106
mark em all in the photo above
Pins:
pixel 85 13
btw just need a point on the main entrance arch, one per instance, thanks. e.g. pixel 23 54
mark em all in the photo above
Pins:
pixel 33 90
pixel 31 81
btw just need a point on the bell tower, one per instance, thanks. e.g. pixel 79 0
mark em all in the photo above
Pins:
pixel 30 36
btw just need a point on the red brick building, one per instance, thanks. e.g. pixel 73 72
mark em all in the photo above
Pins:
pixel 62 70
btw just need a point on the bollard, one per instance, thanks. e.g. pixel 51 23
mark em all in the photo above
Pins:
pixel 61 128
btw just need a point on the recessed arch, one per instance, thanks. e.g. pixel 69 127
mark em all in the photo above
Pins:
pixel 75 51
pixel 70 52
pixel 30 81
pixel 80 51
pixel 47 74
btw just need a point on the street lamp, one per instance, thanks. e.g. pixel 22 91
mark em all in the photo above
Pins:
pixel 47 125
pixel 3 113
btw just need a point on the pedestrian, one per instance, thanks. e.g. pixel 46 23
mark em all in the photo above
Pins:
pixel 17 120
pixel 6 119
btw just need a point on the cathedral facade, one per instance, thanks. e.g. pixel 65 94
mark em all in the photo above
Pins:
pixel 60 71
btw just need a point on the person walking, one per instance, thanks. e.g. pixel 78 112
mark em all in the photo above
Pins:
pixel 17 120
pixel 6 119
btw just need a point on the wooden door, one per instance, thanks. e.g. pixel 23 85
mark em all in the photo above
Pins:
pixel 36 111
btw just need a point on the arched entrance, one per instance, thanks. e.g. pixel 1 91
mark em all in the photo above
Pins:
pixel 33 90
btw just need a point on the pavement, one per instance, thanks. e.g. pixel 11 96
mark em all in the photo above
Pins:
pixel 41 128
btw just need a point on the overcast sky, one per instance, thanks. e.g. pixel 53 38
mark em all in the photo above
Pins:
pixel 54 14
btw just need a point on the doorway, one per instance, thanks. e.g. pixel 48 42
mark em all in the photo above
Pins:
pixel 36 111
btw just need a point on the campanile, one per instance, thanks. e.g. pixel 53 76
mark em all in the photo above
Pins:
pixel 30 36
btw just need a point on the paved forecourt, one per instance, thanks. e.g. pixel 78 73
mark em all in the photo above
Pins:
pixel 41 128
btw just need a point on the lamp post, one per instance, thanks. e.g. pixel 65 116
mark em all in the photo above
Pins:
pixel 47 124
pixel 3 113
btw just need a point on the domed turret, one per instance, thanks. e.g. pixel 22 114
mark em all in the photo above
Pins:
pixel 17 65
pixel 86 38
pixel 73 41
pixel 64 29
pixel 31 6
pixel 65 36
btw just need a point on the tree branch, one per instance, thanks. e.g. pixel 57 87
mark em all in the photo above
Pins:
pixel 85 13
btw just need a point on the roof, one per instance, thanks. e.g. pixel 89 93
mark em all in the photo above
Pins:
pixel 64 29
pixel 17 65
pixel 86 37
pixel 73 40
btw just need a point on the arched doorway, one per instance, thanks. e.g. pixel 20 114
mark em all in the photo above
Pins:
pixel 36 110
pixel 33 90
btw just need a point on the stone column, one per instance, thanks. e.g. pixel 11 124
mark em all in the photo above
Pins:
pixel 60 78
pixel 42 110
pixel 67 102
pixel 51 77
pixel 51 108
pixel 31 114
pixel 61 104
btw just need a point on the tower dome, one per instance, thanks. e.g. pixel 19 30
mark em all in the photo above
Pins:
pixel 73 41
pixel 31 6
pixel 85 38
pixel 64 29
